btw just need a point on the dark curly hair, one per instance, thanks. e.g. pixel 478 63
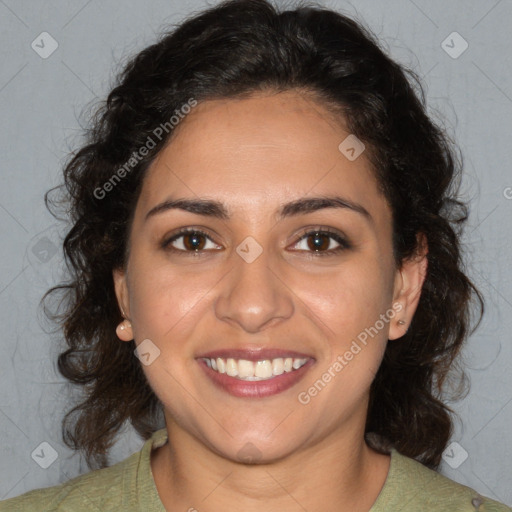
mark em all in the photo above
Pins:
pixel 233 50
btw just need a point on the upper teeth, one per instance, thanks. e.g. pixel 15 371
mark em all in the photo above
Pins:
pixel 257 370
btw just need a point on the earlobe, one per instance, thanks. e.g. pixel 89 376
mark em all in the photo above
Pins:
pixel 124 329
pixel 408 285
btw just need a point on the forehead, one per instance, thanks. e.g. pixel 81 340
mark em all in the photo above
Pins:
pixel 259 151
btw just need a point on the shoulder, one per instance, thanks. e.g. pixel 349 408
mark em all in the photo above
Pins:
pixel 109 489
pixel 415 487
pixel 91 491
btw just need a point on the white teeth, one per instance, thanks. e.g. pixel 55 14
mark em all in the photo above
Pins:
pixel 263 369
pixel 296 364
pixel 231 368
pixel 278 366
pixel 245 368
pixel 221 365
pixel 258 370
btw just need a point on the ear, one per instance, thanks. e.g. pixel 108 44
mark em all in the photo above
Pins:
pixel 124 330
pixel 409 281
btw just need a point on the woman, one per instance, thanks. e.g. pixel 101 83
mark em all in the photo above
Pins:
pixel 266 277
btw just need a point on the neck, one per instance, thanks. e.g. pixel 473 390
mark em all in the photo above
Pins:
pixel 338 470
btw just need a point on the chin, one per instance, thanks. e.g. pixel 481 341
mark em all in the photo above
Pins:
pixel 256 449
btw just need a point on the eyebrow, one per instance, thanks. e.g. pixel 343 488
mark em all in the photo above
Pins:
pixel 216 209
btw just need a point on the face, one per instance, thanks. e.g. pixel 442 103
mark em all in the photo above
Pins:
pixel 265 273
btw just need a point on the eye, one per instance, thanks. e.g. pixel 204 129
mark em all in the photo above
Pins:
pixel 190 240
pixel 322 242
pixel 319 242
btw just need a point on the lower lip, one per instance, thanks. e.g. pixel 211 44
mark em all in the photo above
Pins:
pixel 259 388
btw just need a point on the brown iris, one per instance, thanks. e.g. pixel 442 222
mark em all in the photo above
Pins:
pixel 194 241
pixel 318 244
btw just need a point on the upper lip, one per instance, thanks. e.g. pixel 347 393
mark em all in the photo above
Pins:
pixel 253 354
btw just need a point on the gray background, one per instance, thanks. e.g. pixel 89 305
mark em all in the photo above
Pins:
pixel 40 100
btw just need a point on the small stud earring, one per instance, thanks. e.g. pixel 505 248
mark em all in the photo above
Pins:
pixel 401 322
pixel 124 325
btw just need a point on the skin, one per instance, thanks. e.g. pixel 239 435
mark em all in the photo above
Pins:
pixel 254 155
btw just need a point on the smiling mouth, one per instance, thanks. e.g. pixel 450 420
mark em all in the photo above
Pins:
pixel 264 369
pixel 254 372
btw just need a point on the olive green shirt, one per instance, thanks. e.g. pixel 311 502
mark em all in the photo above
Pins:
pixel 128 486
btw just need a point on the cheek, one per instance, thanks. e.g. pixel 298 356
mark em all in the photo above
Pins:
pixel 348 300
pixel 161 297
pixel 348 305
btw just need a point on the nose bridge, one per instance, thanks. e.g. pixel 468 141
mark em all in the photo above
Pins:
pixel 252 295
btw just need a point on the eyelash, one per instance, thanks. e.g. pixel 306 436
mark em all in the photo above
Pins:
pixel 344 244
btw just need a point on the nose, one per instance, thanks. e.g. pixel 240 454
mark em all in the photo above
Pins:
pixel 253 295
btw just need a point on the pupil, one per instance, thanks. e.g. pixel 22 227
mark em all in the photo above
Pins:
pixel 319 241
pixel 193 241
